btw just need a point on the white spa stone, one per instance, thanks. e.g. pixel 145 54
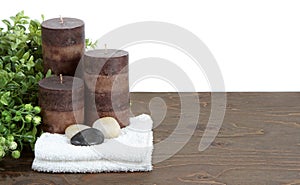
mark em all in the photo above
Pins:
pixel 74 129
pixel 108 126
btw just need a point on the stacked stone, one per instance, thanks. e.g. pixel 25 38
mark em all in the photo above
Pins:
pixel 106 85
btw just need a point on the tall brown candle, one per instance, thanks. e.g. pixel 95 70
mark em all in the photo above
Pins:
pixel 63 43
pixel 107 86
pixel 62 102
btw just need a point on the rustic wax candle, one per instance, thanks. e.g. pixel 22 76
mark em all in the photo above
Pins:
pixel 63 43
pixel 61 106
pixel 107 86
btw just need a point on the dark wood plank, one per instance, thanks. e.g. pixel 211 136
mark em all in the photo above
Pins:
pixel 258 143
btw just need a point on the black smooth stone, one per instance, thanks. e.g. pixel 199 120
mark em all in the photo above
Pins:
pixel 87 137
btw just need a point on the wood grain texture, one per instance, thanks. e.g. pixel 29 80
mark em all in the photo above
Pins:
pixel 258 144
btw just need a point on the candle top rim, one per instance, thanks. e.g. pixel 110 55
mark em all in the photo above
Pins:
pixel 68 23
pixel 54 83
pixel 105 53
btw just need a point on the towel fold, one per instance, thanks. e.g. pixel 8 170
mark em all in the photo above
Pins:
pixel 131 151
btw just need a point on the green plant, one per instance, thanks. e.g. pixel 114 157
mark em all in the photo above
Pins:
pixel 90 44
pixel 20 71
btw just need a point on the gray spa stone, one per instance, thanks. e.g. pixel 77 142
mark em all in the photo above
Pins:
pixel 87 137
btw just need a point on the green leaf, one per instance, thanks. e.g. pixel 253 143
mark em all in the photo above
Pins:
pixel 20 53
pixel 3 79
pixel 48 74
pixel 5 99
pixel 3 129
pixel 26 55
pixel 12 18
pixel 22 27
pixel 14 46
pixel 7 23
pixel 6 59
pixel 14 58
pixel 31 79
pixel 39 76
pixel 12 85
pixel 19 76
pixel 39 65
pixel 34 131
pixel 28 137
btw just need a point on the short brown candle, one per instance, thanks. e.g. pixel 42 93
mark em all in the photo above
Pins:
pixel 107 86
pixel 59 108
pixel 63 43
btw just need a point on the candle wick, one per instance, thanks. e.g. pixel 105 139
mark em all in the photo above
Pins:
pixel 105 46
pixel 61 20
pixel 61 78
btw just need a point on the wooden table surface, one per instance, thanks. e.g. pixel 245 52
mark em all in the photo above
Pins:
pixel 258 143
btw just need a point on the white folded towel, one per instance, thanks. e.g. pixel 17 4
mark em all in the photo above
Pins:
pixel 131 151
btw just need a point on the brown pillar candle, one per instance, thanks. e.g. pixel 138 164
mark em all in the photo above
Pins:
pixel 62 102
pixel 107 86
pixel 63 44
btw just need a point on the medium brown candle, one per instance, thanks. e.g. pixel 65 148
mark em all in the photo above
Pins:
pixel 63 43
pixel 107 86
pixel 62 102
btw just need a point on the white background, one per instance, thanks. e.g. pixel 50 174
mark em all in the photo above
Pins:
pixel 256 43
